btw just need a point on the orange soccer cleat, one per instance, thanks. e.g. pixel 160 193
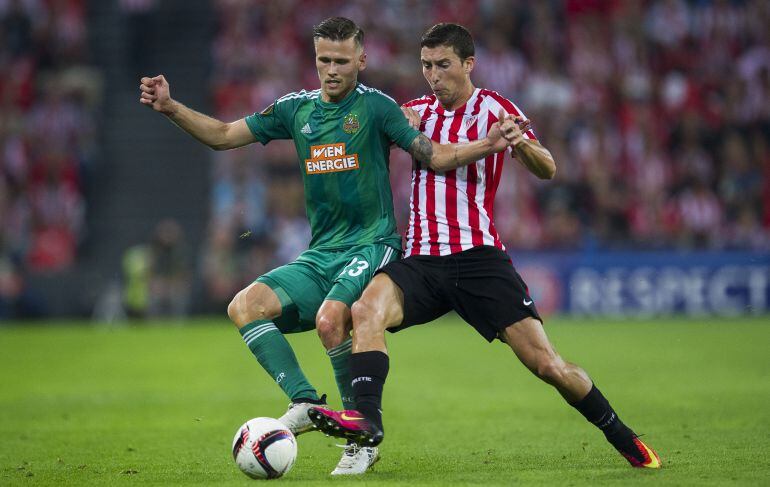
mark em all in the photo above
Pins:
pixel 639 455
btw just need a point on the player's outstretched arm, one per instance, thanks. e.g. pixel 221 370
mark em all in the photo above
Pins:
pixel 216 134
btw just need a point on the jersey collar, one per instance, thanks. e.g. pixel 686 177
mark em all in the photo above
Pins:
pixel 461 109
pixel 342 104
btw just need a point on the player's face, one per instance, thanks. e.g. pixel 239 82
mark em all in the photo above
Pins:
pixel 338 64
pixel 447 75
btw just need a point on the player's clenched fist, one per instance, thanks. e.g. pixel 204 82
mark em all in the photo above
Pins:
pixel 504 132
pixel 156 94
pixel 513 127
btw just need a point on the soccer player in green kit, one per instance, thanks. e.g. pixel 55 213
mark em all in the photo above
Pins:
pixel 342 133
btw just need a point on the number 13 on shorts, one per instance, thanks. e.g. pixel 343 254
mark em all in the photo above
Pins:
pixel 355 268
pixel 356 274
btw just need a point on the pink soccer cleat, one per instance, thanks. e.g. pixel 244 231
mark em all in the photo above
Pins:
pixel 349 424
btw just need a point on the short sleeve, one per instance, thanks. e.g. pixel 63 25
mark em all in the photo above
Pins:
pixel 271 123
pixel 510 109
pixel 392 121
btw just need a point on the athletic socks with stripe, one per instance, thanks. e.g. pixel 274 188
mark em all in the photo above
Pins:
pixel 340 358
pixel 276 356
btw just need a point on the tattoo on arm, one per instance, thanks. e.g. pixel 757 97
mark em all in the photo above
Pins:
pixel 422 148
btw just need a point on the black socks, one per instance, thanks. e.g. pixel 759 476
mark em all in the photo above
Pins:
pixel 598 411
pixel 368 371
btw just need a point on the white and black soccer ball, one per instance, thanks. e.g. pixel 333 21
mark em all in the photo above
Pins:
pixel 264 448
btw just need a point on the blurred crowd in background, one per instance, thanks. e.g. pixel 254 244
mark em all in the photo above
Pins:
pixel 48 99
pixel 657 114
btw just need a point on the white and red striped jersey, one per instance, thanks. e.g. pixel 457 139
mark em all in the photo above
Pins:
pixel 454 211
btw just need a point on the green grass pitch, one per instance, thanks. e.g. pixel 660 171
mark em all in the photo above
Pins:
pixel 159 404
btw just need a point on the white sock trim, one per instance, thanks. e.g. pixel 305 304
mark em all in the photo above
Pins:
pixel 257 329
pixel 262 330
pixel 340 349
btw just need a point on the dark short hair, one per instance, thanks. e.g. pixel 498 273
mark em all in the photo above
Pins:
pixel 339 29
pixel 451 35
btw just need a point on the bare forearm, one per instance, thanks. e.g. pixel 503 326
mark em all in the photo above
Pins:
pixel 205 129
pixel 448 157
pixel 443 157
pixel 536 158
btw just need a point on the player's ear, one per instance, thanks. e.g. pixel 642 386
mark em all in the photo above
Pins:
pixel 362 61
pixel 468 64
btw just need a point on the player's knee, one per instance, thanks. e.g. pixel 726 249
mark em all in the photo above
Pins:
pixel 233 310
pixel 358 311
pixel 244 309
pixel 365 315
pixel 330 329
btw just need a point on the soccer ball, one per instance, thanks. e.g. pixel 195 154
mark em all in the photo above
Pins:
pixel 264 448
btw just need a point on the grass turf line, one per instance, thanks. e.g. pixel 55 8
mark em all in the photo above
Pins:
pixel 159 404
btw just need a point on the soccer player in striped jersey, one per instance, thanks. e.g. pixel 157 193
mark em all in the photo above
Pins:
pixel 342 133
pixel 456 261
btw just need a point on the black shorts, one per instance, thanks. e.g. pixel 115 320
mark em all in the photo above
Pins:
pixel 480 284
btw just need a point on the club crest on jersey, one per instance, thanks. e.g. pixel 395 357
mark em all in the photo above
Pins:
pixel 330 158
pixel 350 123
pixel 470 121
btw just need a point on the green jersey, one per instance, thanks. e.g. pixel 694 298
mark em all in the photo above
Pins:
pixel 343 151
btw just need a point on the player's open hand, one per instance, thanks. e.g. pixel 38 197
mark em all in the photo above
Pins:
pixel 412 117
pixel 156 94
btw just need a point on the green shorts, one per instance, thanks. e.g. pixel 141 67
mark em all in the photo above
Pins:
pixel 318 275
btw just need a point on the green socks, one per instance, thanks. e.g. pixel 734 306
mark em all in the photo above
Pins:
pixel 340 357
pixel 276 356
